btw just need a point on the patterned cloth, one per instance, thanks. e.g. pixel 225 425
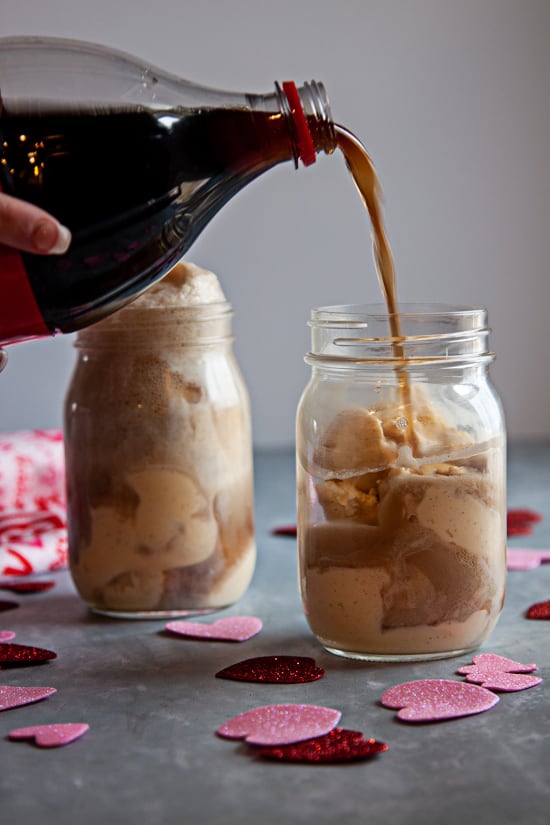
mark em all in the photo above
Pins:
pixel 33 526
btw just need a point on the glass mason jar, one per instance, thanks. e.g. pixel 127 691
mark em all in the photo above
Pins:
pixel 401 483
pixel 159 464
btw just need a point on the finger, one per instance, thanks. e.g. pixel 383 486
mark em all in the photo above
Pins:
pixel 30 229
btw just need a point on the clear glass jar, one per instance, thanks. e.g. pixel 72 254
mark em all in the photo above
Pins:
pixel 159 464
pixel 401 484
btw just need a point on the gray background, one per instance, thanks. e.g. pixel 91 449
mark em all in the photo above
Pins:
pixel 452 101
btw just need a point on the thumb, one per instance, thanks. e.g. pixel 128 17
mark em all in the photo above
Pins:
pixel 30 229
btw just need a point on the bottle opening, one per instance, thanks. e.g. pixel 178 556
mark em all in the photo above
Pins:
pixel 306 147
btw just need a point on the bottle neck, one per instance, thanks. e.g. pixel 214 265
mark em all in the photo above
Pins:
pixel 305 118
pixel 307 112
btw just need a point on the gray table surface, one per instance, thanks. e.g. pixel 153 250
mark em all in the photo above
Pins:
pixel 153 704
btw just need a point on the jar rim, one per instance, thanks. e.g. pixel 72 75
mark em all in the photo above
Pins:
pixel 431 333
pixel 406 310
pixel 134 311
pixel 147 326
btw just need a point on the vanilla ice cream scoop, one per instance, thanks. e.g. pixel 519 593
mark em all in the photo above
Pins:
pixel 186 285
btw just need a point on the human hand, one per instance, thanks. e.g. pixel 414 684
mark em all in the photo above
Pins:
pixel 30 229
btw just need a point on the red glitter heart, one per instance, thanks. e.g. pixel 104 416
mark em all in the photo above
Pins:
pixel 520 521
pixel 519 529
pixel 540 610
pixel 340 745
pixel 27 587
pixel 13 655
pixel 523 514
pixel 285 530
pixel 8 605
pixel 285 670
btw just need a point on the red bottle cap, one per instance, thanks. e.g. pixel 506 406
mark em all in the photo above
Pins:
pixel 306 147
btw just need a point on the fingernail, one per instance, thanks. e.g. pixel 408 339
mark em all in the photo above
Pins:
pixel 51 238
pixel 63 240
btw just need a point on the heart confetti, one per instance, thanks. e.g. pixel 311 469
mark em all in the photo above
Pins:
pixel 498 673
pixel 13 655
pixel 27 587
pixel 540 610
pixel 504 682
pixel 51 736
pixel 14 697
pixel 519 558
pixel 4 605
pixel 492 663
pixel 429 700
pixel 340 745
pixel 280 724
pixel 284 670
pixel 230 629
pixel 286 530
pixel 6 635
pixel 520 521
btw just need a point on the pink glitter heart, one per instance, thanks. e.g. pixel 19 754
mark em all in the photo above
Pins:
pixel 519 558
pixel 280 724
pixel 13 696
pixel 493 663
pixel 6 635
pixel 51 736
pixel 429 700
pixel 499 673
pixel 230 629
pixel 504 682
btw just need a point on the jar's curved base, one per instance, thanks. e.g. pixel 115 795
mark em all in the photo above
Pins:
pixel 156 614
pixel 388 658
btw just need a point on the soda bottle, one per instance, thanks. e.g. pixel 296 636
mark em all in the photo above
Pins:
pixel 134 161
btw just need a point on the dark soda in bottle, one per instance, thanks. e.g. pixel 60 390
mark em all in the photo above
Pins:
pixel 134 162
